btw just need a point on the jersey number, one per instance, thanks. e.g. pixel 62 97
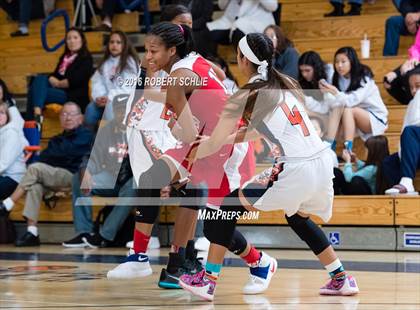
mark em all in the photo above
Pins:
pixel 295 118
pixel 166 114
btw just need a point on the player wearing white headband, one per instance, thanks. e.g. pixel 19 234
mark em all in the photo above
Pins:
pixel 271 105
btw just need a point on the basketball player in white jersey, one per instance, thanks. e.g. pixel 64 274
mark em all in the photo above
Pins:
pixel 300 181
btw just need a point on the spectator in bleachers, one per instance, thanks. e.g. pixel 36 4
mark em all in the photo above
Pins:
pixel 107 9
pixel 106 172
pixel 68 82
pixel 356 8
pixel 285 56
pixel 367 179
pixel 320 129
pixel 396 82
pixel 405 24
pixel 312 71
pixel 240 18
pixel 13 143
pixel 177 14
pixel 202 12
pixel 355 89
pixel 117 73
pixel 23 11
pixel 400 168
pixel 53 172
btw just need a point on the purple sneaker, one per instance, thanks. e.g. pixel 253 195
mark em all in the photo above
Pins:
pixel 346 287
pixel 199 285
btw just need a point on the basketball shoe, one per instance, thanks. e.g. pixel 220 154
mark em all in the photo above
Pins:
pixel 346 287
pixel 199 285
pixel 261 274
pixel 134 266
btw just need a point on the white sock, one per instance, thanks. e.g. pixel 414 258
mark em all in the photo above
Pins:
pixel 408 183
pixel 333 266
pixel 8 203
pixel 33 230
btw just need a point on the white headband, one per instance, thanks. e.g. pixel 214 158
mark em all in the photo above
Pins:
pixel 249 54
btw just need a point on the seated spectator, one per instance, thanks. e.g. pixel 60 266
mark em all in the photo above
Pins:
pixel 367 178
pixel 354 89
pixel 177 14
pixel 53 172
pixel 202 12
pixel 404 24
pixel 400 168
pixel 106 172
pixel 68 82
pixel 23 11
pixel 107 10
pixel 240 18
pixel 117 73
pixel 396 82
pixel 356 8
pixel 285 56
pixel 13 143
pixel 312 71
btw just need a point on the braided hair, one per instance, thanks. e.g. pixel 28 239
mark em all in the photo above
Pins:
pixel 172 35
pixel 262 47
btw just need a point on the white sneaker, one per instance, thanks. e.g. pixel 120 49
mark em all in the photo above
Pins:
pixel 261 275
pixel 154 243
pixel 129 244
pixel 135 266
pixel 346 287
pixel 202 244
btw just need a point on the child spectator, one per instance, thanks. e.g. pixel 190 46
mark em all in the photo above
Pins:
pixel 68 82
pixel 367 179
pixel 117 73
pixel 354 89
pixel 285 56
pixel 13 142
pixel 400 169
pixel 313 70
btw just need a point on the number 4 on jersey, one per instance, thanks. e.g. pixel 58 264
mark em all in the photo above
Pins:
pixel 295 118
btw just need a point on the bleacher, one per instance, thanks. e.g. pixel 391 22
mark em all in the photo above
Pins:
pixel 304 23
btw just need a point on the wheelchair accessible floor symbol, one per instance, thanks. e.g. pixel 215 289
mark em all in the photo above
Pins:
pixel 334 237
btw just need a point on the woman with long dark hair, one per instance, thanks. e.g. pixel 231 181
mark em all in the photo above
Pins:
pixel 313 71
pixel 68 82
pixel 354 88
pixel 271 103
pixel 285 55
pixel 117 73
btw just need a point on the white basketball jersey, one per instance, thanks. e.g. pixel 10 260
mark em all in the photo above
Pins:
pixel 290 129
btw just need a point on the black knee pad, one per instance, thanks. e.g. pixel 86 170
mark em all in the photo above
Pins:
pixel 147 214
pixel 190 197
pixel 238 243
pixel 219 225
pixel 309 232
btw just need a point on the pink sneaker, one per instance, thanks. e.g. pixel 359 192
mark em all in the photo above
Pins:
pixel 199 285
pixel 346 287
